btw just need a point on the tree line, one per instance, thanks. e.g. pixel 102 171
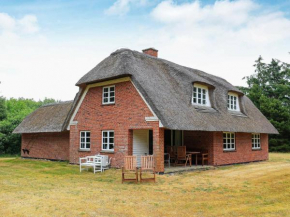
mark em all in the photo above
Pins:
pixel 12 112
pixel 268 88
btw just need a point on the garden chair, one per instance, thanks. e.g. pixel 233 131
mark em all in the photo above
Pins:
pixel 182 156
pixel 130 167
pixel 171 150
pixel 147 166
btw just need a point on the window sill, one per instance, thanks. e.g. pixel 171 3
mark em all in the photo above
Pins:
pixel 105 104
pixel 84 150
pixel 229 151
pixel 257 149
pixel 108 152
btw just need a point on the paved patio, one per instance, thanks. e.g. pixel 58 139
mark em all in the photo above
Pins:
pixel 180 169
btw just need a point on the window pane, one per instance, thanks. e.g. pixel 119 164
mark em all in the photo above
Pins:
pixel 88 145
pixel 112 89
pixel 105 134
pixel 111 146
pixel 199 101
pixel 106 94
pixel 233 146
pixel 88 140
pixel 106 90
pixel 199 91
pixel 82 134
pixel 112 99
pixel 105 99
pixel 111 140
pixel 105 145
pixel 105 140
pixel 111 134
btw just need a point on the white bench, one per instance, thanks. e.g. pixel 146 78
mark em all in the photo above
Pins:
pixel 99 163
pixel 95 162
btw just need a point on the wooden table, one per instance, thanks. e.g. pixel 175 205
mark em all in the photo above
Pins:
pixel 193 153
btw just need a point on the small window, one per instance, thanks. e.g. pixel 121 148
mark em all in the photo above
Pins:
pixel 229 141
pixel 108 140
pixel 233 102
pixel 85 140
pixel 109 95
pixel 256 144
pixel 200 95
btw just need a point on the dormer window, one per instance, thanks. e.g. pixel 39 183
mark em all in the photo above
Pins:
pixel 200 95
pixel 233 102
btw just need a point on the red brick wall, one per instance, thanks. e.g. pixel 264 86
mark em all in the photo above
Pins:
pixel 213 142
pixel 53 146
pixel 199 140
pixel 243 152
pixel 128 112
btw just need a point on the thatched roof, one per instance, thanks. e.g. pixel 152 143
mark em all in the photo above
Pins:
pixel 47 118
pixel 167 87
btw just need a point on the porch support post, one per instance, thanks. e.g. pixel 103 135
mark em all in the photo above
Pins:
pixel 158 148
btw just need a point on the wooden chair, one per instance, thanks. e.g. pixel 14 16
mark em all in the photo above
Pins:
pixel 204 157
pixel 171 150
pixel 130 167
pixel 147 165
pixel 182 156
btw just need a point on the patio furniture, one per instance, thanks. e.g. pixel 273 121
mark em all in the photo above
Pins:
pixel 167 159
pixel 130 167
pixel 182 156
pixel 91 161
pixel 171 150
pixel 194 153
pixel 147 167
pixel 204 157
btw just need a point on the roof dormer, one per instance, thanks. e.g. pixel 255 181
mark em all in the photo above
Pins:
pixel 200 95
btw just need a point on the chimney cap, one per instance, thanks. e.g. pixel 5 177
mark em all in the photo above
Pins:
pixel 150 48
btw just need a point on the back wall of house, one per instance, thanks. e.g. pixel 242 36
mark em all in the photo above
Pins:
pixel 53 146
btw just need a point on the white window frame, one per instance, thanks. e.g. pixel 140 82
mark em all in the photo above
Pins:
pixel 256 141
pixel 229 141
pixel 109 95
pixel 108 140
pixel 233 102
pixel 203 100
pixel 85 140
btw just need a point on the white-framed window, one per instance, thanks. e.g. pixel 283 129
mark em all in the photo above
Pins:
pixel 256 142
pixel 108 140
pixel 229 141
pixel 200 95
pixel 233 102
pixel 85 140
pixel 109 94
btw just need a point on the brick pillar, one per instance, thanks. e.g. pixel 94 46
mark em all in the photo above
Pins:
pixel 158 148
pixel 130 142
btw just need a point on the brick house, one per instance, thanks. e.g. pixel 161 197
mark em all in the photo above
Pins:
pixel 135 103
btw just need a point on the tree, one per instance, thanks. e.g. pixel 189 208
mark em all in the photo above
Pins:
pixel 269 89
pixel 3 113
pixel 16 111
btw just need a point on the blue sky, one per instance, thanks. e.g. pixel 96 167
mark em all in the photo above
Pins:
pixel 46 46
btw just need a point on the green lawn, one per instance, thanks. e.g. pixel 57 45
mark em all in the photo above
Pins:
pixel 43 188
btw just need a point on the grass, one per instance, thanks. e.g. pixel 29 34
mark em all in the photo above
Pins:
pixel 44 188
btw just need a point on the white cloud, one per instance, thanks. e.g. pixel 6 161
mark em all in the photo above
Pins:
pixel 122 7
pixel 223 38
pixel 27 24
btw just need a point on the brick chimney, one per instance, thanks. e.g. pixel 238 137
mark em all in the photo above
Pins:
pixel 151 51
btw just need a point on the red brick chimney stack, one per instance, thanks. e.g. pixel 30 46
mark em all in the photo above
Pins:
pixel 151 51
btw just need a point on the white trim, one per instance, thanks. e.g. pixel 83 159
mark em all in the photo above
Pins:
pixel 151 119
pixel 257 142
pixel 230 143
pixel 104 83
pixel 237 101
pixel 85 142
pixel 108 142
pixel 201 87
pixel 109 95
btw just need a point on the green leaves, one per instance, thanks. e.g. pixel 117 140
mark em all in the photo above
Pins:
pixel 269 89
pixel 14 111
